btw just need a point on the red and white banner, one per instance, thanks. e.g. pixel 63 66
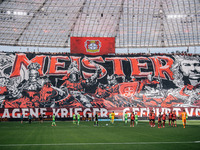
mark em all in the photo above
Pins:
pixel 92 45
pixel 102 112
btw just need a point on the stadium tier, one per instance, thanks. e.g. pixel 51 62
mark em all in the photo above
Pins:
pixel 99 74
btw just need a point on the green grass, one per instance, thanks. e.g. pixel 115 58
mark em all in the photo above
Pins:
pixel 89 137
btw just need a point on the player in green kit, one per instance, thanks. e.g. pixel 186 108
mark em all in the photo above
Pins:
pixel 78 118
pixel 136 119
pixel 53 120
pixel 126 118
pixel 110 117
pixel 74 119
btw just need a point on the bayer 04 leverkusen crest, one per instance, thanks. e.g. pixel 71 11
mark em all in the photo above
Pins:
pixel 128 89
pixel 92 46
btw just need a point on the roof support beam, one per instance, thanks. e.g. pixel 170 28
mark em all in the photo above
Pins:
pixel 74 24
pixel 119 18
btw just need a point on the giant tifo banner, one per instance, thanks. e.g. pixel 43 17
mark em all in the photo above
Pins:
pixel 65 82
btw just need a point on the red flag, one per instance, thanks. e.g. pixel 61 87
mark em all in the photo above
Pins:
pixel 92 45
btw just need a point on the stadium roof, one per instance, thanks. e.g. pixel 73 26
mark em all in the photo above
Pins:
pixel 134 23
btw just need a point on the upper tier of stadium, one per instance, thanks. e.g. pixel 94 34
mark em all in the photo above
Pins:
pixel 133 23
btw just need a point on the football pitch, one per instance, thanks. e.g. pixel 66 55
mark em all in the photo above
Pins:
pixel 86 136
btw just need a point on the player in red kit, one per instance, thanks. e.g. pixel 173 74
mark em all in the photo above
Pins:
pixel 150 114
pixel 132 119
pixel 159 120
pixel 174 119
pixel 153 119
pixel 170 118
pixel 164 119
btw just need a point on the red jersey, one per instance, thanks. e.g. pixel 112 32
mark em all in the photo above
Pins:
pixel 150 116
pixel 173 116
pixel 153 116
pixel 159 117
pixel 170 115
pixel 164 117
pixel 132 117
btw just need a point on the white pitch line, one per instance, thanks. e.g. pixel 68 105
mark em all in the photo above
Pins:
pixel 75 144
